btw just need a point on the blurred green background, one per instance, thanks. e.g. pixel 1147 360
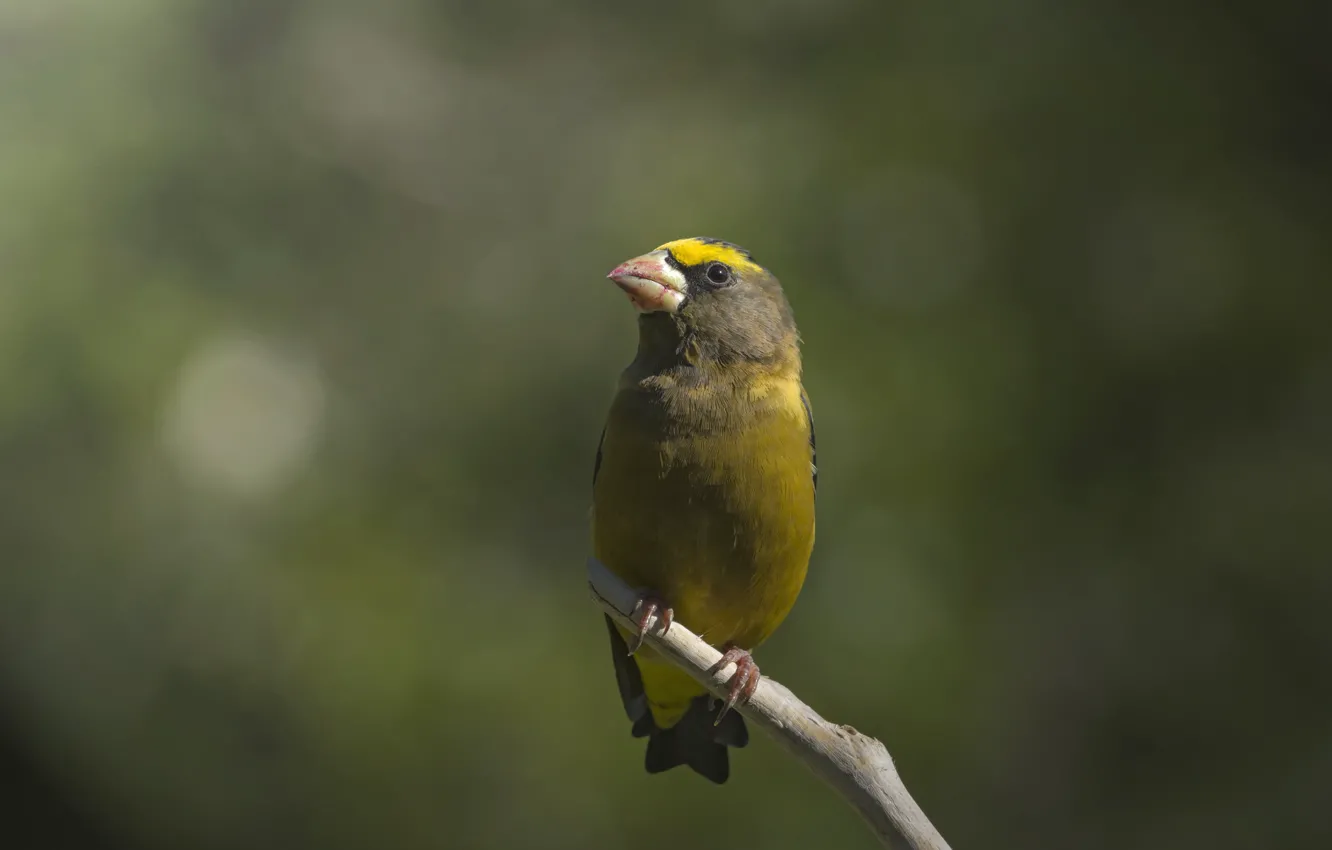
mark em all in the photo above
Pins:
pixel 305 345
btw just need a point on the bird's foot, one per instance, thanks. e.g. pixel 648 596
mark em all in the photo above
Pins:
pixel 650 605
pixel 744 681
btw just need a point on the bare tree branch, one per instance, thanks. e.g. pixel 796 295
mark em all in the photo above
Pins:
pixel 856 766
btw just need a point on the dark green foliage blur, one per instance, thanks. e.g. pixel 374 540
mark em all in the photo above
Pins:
pixel 305 345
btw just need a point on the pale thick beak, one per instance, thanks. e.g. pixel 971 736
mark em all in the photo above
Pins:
pixel 651 283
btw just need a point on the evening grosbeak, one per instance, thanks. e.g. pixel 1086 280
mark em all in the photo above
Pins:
pixel 703 488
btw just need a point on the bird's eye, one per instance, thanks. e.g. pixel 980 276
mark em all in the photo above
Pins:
pixel 718 273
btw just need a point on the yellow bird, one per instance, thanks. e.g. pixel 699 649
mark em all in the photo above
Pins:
pixel 703 489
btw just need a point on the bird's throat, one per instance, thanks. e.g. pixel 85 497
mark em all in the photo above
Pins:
pixel 662 341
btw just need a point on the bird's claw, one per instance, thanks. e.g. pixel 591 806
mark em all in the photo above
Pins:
pixel 743 682
pixel 649 606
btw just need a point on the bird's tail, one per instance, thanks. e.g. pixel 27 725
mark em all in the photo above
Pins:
pixel 697 742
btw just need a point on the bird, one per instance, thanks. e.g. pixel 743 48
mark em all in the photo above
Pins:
pixel 704 487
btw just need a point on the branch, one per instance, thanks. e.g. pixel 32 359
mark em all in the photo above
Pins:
pixel 856 766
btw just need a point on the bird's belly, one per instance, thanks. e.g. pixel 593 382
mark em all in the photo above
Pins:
pixel 721 527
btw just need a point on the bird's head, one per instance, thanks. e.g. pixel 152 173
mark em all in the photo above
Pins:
pixel 708 300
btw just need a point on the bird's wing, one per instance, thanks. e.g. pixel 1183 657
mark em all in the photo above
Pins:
pixel 813 443
pixel 596 465
pixel 627 675
pixel 630 681
pixel 698 737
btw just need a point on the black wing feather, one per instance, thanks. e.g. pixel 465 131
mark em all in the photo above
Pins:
pixel 596 465
pixel 630 682
pixel 813 443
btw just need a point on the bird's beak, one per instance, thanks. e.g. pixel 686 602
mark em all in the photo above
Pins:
pixel 651 283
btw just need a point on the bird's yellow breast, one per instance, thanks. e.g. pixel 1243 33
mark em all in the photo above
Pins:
pixel 705 496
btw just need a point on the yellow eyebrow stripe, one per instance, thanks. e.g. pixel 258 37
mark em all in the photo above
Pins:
pixel 694 251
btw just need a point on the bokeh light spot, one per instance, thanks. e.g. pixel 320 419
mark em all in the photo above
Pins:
pixel 244 416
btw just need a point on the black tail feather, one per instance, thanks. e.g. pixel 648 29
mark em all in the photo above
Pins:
pixel 694 741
